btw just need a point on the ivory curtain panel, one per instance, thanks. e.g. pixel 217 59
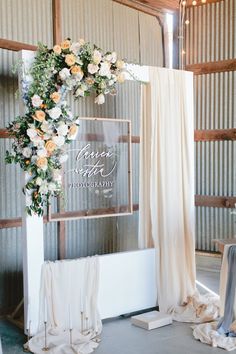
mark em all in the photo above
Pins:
pixel 167 183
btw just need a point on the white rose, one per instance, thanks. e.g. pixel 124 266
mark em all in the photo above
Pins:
pixel 70 83
pixel 43 188
pixel 57 177
pixel 27 152
pixel 97 56
pixel 37 141
pixel 64 73
pixel 36 101
pixel 79 92
pixel 52 187
pixel 111 82
pixel 62 129
pixel 31 133
pixel 75 47
pixel 108 57
pixel 39 181
pixel 42 152
pixel 92 68
pixel 63 158
pixel 59 140
pixel 46 127
pixel 100 99
pixel 105 70
pixel 113 57
pixel 55 112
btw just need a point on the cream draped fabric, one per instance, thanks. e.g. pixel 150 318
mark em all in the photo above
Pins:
pixel 207 332
pixel 167 182
pixel 68 299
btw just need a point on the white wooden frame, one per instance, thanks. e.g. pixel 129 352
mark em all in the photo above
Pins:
pixel 127 280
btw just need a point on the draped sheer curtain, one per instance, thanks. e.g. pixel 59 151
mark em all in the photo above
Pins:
pixel 167 183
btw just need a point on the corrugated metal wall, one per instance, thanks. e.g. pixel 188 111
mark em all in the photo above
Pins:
pixel 210 36
pixel 137 38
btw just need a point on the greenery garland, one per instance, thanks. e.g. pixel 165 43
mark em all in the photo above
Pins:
pixel 41 135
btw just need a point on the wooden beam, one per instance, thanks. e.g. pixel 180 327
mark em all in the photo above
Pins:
pixel 199 135
pixel 92 212
pixel 56 20
pixel 200 201
pixel 215 201
pixel 150 10
pixel 9 223
pixel 215 135
pixel 4 134
pixel 212 67
pixel 16 46
pixel 17 222
pixel 85 137
pixel 61 239
pixel 200 3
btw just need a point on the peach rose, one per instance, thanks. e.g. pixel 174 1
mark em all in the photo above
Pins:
pixel 39 116
pixel 57 49
pixel 89 81
pixel 120 64
pixel 42 163
pixel 121 78
pixel 70 59
pixel 55 96
pixel 65 44
pixel 73 130
pixel 75 70
pixel 50 146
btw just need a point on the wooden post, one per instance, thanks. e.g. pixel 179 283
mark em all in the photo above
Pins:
pixel 56 20
pixel 57 38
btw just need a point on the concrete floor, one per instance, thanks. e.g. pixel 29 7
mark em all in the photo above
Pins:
pixel 120 337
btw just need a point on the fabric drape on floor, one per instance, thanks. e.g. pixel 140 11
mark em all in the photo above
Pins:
pixel 167 182
pixel 167 193
pixel 210 333
pixel 68 299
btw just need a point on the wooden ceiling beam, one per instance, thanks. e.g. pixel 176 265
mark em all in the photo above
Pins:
pixel 200 3
pixel 150 10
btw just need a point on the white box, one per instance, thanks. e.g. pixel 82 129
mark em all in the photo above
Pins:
pixel 151 320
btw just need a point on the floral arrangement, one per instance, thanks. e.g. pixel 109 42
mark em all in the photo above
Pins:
pixel 41 135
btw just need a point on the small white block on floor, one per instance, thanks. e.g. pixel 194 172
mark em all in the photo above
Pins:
pixel 151 320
